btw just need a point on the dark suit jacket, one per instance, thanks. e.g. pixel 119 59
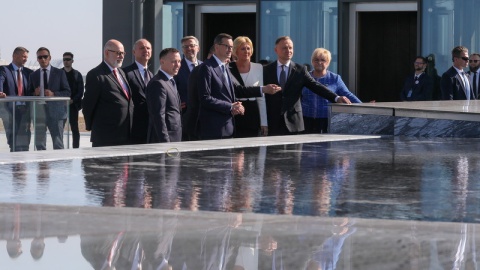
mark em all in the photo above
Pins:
pixel 57 83
pixel 181 79
pixel 192 124
pixel 107 110
pixel 164 110
pixel 452 87
pixel 140 112
pixel 421 91
pixel 286 104
pixel 8 83
pixel 216 97
pixel 77 90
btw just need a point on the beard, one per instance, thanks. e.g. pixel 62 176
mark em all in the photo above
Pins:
pixel 117 64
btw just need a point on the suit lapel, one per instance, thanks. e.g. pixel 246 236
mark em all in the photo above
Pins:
pixel 139 76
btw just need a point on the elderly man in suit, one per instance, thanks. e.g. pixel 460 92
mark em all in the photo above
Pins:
pixel 163 100
pixel 13 82
pixel 138 77
pixel 455 83
pixel 48 81
pixel 218 93
pixel 190 50
pixel 284 109
pixel 107 103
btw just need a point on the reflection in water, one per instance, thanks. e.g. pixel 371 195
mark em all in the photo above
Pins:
pixel 125 239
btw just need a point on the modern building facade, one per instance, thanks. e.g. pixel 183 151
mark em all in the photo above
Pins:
pixel 373 43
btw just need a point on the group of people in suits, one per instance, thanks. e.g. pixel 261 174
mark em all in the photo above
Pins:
pixel 189 99
pixel 47 81
pixel 455 83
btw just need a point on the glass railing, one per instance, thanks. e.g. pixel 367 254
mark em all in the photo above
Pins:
pixel 34 123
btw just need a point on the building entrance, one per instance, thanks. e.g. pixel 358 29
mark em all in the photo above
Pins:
pixel 387 46
pixel 234 24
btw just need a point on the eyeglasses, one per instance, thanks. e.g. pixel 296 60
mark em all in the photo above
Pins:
pixel 191 46
pixel 67 59
pixel 463 58
pixel 42 57
pixel 419 63
pixel 473 61
pixel 118 52
pixel 228 47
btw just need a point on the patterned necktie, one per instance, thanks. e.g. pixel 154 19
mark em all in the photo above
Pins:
pixel 172 81
pixel 120 82
pixel 19 82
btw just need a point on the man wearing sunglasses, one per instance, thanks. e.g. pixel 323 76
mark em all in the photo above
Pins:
pixel 48 81
pixel 75 81
pixel 455 83
pixel 473 65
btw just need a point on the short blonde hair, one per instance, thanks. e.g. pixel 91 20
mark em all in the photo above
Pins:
pixel 321 51
pixel 239 41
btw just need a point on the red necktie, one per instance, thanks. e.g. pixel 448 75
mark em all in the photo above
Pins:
pixel 120 82
pixel 19 83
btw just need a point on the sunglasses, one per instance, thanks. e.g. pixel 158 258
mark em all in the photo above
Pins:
pixel 42 57
pixel 67 59
pixel 464 58
pixel 473 61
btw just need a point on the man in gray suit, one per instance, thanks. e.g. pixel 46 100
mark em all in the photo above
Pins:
pixel 107 103
pixel 48 81
pixel 163 100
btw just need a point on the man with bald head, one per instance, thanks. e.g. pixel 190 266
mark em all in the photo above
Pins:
pixel 107 102
pixel 138 77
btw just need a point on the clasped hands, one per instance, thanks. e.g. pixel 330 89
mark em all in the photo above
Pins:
pixel 47 92
pixel 237 108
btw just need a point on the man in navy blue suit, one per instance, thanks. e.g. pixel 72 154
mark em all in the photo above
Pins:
pixel 455 83
pixel 218 93
pixel 190 50
pixel 163 100
pixel 48 81
pixel 417 86
pixel 14 82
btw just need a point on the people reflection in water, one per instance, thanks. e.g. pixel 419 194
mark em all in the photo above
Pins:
pixel 14 245
pixel 37 247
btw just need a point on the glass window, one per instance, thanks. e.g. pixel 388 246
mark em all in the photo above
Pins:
pixel 172 24
pixel 447 24
pixel 311 24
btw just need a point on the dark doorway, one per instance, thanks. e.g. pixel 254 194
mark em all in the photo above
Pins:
pixel 387 46
pixel 234 24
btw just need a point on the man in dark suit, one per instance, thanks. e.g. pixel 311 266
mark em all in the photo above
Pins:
pixel 284 109
pixel 75 81
pixel 190 50
pixel 163 100
pixel 107 104
pixel 455 84
pixel 14 82
pixel 48 81
pixel 473 66
pixel 418 86
pixel 217 93
pixel 138 77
